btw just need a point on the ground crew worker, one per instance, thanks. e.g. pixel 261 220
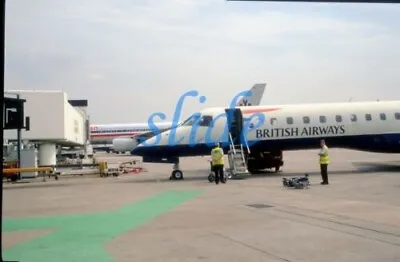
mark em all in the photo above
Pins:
pixel 323 162
pixel 217 157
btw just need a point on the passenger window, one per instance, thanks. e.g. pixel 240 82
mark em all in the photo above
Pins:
pixel 368 117
pixel 353 118
pixel 397 116
pixel 382 116
pixel 322 119
pixel 306 120
pixel 273 121
pixel 289 120
pixel 339 118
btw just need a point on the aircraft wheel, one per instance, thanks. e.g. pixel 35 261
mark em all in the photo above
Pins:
pixel 177 175
pixel 211 178
pixel 14 178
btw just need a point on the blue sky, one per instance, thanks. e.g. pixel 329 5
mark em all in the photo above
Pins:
pixel 133 58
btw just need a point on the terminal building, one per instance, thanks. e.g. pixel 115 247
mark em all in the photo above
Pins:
pixel 55 121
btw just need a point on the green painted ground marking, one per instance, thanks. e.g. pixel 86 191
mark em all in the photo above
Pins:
pixel 82 237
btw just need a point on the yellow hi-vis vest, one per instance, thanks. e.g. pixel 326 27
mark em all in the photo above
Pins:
pixel 217 156
pixel 324 158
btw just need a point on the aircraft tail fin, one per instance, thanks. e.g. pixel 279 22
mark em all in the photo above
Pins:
pixel 257 92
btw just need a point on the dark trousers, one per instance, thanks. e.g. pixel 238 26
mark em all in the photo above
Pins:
pixel 219 173
pixel 324 172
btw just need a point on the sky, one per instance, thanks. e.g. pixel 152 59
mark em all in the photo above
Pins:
pixel 134 58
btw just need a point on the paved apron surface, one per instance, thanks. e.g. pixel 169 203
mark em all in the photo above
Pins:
pixel 82 237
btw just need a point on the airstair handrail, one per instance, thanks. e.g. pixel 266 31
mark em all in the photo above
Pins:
pixel 231 142
pixel 247 144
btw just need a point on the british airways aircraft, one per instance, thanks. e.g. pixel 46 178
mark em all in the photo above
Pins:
pixel 125 137
pixel 265 130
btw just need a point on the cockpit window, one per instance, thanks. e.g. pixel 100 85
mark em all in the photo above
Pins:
pixel 191 120
pixel 206 121
pixel 199 120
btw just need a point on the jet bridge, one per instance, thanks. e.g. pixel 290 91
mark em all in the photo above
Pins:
pixel 53 121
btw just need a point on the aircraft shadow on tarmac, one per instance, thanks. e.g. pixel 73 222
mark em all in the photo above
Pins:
pixel 201 175
pixel 360 168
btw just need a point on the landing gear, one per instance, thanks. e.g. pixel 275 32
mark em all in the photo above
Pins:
pixel 176 174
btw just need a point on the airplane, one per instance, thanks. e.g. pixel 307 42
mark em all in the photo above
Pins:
pixel 266 131
pixel 120 136
pixel 125 137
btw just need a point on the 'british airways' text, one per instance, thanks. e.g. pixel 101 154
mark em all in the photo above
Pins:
pixel 295 131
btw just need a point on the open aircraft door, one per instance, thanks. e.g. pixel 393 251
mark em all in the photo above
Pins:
pixel 235 124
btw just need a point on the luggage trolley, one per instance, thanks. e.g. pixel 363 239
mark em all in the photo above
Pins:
pixel 211 175
pixel 297 182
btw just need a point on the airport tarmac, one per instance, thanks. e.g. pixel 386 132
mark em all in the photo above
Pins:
pixel 146 217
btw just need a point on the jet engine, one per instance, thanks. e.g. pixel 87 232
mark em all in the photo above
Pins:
pixel 124 144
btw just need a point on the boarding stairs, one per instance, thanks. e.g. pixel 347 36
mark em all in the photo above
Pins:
pixel 237 158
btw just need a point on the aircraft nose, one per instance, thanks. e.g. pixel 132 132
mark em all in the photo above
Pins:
pixel 145 148
pixel 140 150
pixel 152 145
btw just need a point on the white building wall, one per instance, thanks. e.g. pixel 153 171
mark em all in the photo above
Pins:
pixel 46 112
pixel 74 124
pixel 52 118
pixel 83 112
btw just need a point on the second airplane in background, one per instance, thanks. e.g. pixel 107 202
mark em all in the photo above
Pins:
pixel 125 137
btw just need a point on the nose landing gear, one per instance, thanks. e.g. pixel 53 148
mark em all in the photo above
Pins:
pixel 176 174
